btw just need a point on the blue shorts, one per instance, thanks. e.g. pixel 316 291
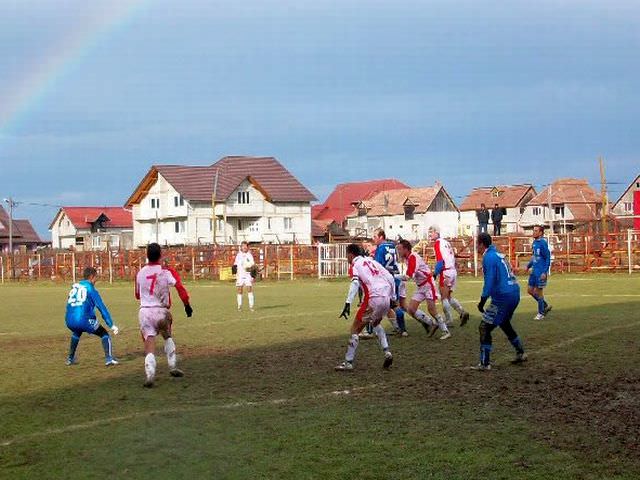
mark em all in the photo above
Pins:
pixel 536 282
pixel 88 325
pixel 500 310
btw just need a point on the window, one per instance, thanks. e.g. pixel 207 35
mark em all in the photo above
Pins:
pixel 537 211
pixel 179 227
pixel 220 224
pixel 96 241
pixel 243 198
pixel 254 227
pixel 628 206
pixel 155 203
pixel 362 212
pixel 409 211
pixel 268 223
pixel 522 209
pixel 560 211
pixel 114 241
pixel 288 223
pixel 240 225
pixel 79 240
pixel 178 201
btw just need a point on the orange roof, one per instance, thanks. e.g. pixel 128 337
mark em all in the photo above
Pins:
pixel 82 217
pixel 509 196
pixel 392 202
pixel 568 191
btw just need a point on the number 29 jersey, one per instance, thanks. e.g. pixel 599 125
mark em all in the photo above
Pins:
pixel 387 257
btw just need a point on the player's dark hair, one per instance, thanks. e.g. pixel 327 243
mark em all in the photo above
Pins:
pixel 485 239
pixel 354 249
pixel 89 272
pixel 154 252
pixel 380 233
pixel 541 227
pixel 405 244
pixel 244 243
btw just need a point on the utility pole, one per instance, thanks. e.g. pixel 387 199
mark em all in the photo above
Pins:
pixel 214 227
pixel 605 200
pixel 11 205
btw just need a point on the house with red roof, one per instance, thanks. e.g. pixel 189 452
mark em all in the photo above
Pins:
pixel 92 228
pixel 567 203
pixel 24 236
pixel 406 213
pixel 512 199
pixel 253 199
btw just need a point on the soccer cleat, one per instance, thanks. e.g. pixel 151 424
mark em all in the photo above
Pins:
pixel 176 372
pixel 148 383
pixel 539 317
pixel 547 309
pixel 404 334
pixel 445 336
pixel 388 360
pixel 71 361
pixel 520 358
pixel 464 318
pixel 111 362
pixel 481 368
pixel 344 367
pixel 432 330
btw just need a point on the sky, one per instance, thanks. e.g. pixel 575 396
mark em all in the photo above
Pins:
pixel 469 93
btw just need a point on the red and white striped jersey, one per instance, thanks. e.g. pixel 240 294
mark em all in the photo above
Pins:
pixel 375 280
pixel 153 284
pixel 444 253
pixel 418 270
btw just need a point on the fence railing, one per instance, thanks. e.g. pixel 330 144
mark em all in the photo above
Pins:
pixel 575 253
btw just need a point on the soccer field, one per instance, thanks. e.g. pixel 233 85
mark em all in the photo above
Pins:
pixel 260 398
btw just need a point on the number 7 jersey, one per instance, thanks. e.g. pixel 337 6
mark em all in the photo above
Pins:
pixel 153 284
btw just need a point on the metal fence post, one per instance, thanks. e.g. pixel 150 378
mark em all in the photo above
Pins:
pixel 475 255
pixel 2 268
pixel 291 262
pixel 73 266
pixel 629 252
pixel 110 267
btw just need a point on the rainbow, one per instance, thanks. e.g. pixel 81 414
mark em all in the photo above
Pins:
pixel 103 19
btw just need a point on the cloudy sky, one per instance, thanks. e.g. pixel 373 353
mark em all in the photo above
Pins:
pixel 466 92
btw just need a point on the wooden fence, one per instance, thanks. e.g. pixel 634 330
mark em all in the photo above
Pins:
pixel 576 253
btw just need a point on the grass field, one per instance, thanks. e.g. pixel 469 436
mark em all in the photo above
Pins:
pixel 260 398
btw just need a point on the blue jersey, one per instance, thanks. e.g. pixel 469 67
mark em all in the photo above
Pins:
pixel 499 282
pixel 541 259
pixel 81 304
pixel 387 257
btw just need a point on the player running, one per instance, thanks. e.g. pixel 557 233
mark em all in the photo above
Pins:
pixel 419 271
pixel 385 255
pixel 243 264
pixel 378 286
pixel 539 266
pixel 80 317
pixel 446 270
pixel 502 287
pixel 152 289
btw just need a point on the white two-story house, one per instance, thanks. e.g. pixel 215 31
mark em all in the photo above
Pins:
pixel 407 213
pixel 566 203
pixel 237 199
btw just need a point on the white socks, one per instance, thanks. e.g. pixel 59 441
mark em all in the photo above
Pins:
pixel 150 366
pixel 441 324
pixel 239 300
pixel 423 318
pixel 351 349
pixel 456 304
pixel 382 337
pixel 251 299
pixel 446 306
pixel 170 350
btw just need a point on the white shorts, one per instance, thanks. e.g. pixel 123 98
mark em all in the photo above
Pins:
pixel 373 310
pixel 244 280
pixel 449 279
pixel 426 292
pixel 151 318
pixel 402 290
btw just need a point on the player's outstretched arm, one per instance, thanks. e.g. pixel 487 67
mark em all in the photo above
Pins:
pixel 102 308
pixel 182 292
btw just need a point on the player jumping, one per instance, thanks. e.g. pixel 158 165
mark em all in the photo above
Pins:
pixel 502 287
pixel 243 264
pixel 419 271
pixel 378 286
pixel 539 266
pixel 446 269
pixel 152 289
pixel 82 301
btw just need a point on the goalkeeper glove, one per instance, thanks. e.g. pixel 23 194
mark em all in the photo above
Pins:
pixel 346 311
pixel 483 300
pixel 115 329
pixel 188 310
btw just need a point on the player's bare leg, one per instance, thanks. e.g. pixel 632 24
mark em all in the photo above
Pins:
pixel 538 295
pixel 391 315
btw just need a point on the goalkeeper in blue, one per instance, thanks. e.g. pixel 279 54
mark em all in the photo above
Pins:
pixel 501 286
pixel 539 269
pixel 81 318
